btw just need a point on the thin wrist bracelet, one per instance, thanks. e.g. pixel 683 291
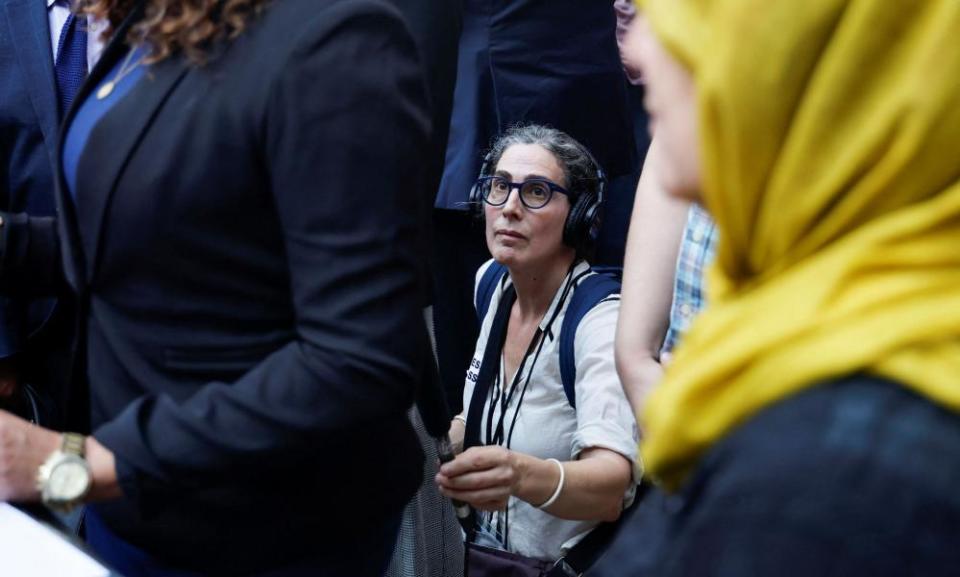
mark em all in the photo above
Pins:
pixel 556 493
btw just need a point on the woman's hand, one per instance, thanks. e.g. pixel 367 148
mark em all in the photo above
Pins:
pixel 456 434
pixel 23 448
pixel 484 477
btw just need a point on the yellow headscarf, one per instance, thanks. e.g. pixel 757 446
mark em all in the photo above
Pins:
pixel 830 139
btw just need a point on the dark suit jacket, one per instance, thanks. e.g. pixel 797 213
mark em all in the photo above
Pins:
pixel 435 26
pixel 37 330
pixel 242 243
pixel 552 62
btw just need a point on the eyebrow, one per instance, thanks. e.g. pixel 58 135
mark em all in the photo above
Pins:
pixel 507 175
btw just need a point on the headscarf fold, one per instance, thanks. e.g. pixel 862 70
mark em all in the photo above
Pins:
pixel 830 139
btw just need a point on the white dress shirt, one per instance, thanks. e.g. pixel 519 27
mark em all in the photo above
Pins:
pixel 548 427
pixel 57 13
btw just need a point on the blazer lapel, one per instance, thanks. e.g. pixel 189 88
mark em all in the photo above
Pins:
pixel 108 150
pixel 28 27
pixel 70 245
pixel 113 141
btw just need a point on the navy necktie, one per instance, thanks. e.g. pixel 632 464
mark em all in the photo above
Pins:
pixel 71 64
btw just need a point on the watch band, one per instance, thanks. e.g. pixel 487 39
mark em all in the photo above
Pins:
pixel 73 444
pixel 70 455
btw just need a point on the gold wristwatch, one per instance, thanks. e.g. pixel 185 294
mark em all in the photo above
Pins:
pixel 64 479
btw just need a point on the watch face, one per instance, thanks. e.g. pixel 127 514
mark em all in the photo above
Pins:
pixel 69 480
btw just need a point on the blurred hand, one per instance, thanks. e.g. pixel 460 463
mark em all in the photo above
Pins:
pixel 629 43
pixel 456 433
pixel 626 13
pixel 23 448
pixel 484 477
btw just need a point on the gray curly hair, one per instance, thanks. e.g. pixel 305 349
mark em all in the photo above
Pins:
pixel 580 171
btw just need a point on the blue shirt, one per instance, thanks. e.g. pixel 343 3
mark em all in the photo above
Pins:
pixel 94 108
pixel 697 250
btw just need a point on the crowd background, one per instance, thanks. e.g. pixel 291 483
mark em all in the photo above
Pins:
pixel 239 239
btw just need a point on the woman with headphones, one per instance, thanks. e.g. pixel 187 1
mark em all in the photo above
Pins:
pixel 543 465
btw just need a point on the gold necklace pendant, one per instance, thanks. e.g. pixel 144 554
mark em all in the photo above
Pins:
pixel 105 90
pixel 125 68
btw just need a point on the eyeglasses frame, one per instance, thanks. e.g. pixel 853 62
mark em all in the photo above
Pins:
pixel 483 181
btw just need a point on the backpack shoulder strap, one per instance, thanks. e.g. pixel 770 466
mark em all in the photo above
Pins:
pixel 590 292
pixel 486 287
pixel 488 368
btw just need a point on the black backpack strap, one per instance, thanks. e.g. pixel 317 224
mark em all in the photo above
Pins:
pixel 488 368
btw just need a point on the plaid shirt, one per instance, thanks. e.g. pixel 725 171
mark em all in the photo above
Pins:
pixel 696 252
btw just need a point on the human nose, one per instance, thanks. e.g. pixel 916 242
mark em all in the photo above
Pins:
pixel 513 206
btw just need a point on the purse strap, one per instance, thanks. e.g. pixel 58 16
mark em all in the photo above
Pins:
pixel 584 554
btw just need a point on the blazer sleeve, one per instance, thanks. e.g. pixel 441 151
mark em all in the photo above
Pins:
pixel 346 120
pixel 30 261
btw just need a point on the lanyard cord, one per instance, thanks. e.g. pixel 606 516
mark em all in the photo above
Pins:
pixel 563 297
pixel 503 522
pixel 513 425
pixel 496 437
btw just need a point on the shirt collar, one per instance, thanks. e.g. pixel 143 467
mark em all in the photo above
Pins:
pixel 559 298
pixel 50 3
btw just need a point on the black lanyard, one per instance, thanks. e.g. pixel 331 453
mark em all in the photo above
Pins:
pixel 495 436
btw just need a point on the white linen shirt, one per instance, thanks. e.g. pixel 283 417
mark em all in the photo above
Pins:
pixel 548 427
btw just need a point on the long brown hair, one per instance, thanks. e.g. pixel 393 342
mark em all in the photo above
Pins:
pixel 174 26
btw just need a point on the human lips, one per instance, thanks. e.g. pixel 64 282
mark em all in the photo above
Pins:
pixel 509 233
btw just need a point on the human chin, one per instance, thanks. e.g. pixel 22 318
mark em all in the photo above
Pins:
pixel 509 247
pixel 507 255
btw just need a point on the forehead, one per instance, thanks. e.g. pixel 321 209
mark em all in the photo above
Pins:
pixel 525 160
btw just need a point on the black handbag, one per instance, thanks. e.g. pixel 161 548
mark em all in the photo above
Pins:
pixel 489 562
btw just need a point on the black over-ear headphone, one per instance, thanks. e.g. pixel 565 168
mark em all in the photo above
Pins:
pixel 476 195
pixel 582 226
pixel 583 222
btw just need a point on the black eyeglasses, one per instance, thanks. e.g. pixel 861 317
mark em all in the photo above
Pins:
pixel 534 192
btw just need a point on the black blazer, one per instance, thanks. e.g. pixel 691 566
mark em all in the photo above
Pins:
pixel 436 27
pixel 243 243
